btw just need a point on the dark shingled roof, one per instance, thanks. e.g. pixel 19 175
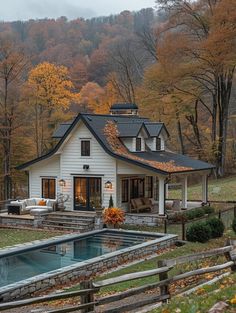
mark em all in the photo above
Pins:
pixel 180 160
pixel 154 129
pixel 124 106
pixel 61 130
pixel 130 129
pixel 96 124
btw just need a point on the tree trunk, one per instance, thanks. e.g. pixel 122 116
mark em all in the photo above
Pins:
pixel 224 92
pixel 180 134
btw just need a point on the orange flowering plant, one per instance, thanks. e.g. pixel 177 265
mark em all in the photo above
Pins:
pixel 113 216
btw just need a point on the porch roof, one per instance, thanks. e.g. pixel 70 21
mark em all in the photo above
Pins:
pixel 179 160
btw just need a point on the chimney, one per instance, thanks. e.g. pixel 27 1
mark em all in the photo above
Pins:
pixel 124 109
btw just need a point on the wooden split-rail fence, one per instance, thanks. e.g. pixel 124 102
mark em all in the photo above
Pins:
pixel 87 301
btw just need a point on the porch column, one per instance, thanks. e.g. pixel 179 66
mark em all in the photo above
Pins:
pixel 161 196
pixel 205 188
pixel 185 193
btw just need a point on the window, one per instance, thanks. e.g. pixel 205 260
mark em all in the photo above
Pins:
pixel 87 193
pixel 149 185
pixel 138 144
pixel 125 190
pixel 85 148
pixel 137 188
pixel 48 188
pixel 158 143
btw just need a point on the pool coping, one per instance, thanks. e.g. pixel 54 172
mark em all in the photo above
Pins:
pixel 79 265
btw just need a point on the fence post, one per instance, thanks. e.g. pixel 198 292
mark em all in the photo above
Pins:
pixel 231 255
pixel 164 290
pixel 219 214
pixel 88 297
pixel 183 229
pixel 235 211
pixel 165 224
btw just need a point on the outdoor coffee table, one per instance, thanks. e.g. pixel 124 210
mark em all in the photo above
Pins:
pixel 13 208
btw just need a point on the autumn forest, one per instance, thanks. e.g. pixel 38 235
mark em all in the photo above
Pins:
pixel 177 62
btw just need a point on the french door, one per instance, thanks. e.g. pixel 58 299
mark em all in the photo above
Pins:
pixel 87 193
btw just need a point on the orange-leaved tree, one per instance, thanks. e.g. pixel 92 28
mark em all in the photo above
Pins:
pixel 50 92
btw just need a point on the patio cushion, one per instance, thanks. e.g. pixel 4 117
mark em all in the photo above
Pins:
pixel 30 202
pixel 147 201
pixel 48 208
pixel 50 202
pixel 37 200
pixel 138 202
pixel 42 203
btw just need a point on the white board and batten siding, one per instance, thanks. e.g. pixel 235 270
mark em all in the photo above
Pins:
pixel 100 165
pixel 49 168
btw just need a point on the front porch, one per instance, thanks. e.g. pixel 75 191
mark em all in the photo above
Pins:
pixel 156 190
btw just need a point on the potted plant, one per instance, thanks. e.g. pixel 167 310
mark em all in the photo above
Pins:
pixel 113 217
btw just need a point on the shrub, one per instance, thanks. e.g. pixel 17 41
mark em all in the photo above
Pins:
pixel 111 204
pixel 198 232
pixel 176 217
pixel 113 216
pixel 216 226
pixel 234 225
pixel 194 213
pixel 208 209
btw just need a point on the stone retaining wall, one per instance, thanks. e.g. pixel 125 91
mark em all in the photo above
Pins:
pixel 16 222
pixel 143 219
pixel 83 270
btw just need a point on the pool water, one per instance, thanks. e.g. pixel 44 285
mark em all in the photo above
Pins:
pixel 20 266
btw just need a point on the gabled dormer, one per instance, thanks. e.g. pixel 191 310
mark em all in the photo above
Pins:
pixel 133 135
pixel 158 135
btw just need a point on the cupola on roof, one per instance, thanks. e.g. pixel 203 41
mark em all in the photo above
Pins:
pixel 124 109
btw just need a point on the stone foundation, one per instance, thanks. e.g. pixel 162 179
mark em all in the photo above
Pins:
pixel 143 219
pixel 84 270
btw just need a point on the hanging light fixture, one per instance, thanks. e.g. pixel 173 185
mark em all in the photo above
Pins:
pixel 108 184
pixel 62 183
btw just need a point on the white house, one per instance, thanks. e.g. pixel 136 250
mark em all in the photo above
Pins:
pixel 120 154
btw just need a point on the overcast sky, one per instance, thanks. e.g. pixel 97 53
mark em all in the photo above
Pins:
pixel 12 10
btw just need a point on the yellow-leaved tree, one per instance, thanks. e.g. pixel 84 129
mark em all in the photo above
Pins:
pixel 50 93
pixel 97 99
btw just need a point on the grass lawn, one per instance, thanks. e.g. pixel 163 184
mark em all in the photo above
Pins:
pixel 204 298
pixel 218 190
pixel 10 237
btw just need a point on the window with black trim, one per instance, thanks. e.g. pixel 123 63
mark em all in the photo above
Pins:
pixel 125 190
pixel 158 143
pixel 136 188
pixel 49 188
pixel 138 144
pixel 85 147
pixel 149 186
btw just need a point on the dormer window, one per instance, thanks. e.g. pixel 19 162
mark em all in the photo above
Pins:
pixel 158 144
pixel 85 147
pixel 138 144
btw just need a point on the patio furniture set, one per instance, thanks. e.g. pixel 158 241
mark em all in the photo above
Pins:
pixel 31 206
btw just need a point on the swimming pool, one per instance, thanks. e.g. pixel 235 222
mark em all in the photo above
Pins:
pixel 28 264
pixel 42 264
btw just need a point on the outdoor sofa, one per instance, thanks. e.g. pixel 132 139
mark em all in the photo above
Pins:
pixel 141 204
pixel 27 205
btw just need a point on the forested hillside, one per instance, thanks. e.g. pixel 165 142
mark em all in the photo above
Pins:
pixel 176 63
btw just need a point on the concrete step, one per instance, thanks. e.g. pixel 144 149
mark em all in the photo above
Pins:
pixel 82 221
pixel 69 219
pixel 62 222
pixel 80 214
pixel 81 229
